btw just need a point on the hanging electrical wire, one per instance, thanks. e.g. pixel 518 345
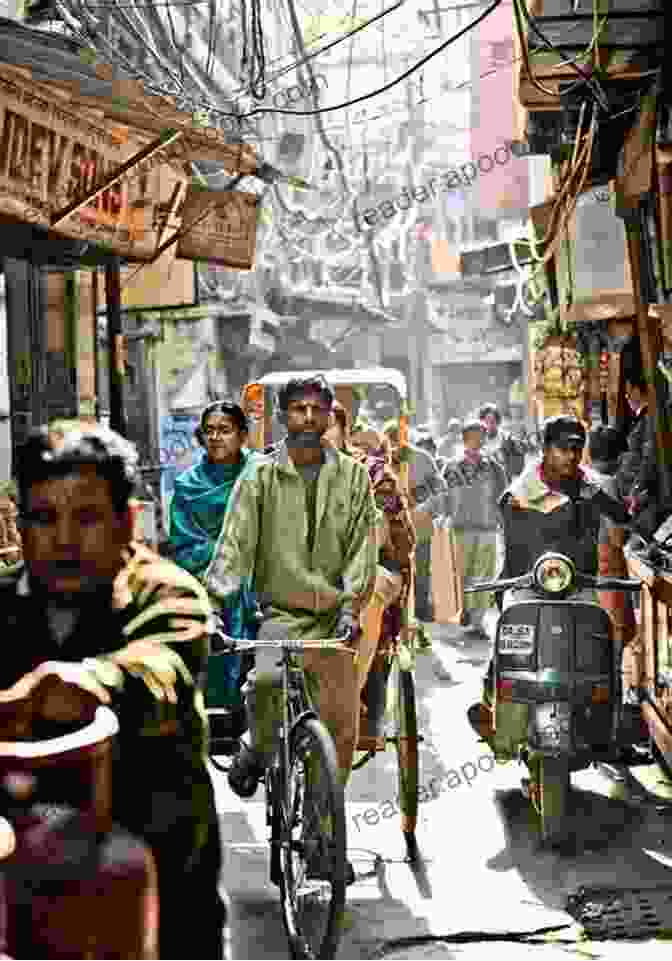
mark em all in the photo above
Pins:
pixel 374 93
pixel 346 36
pixel 586 77
pixel 347 192
pixel 184 87
pixel 564 205
pixel 178 47
pixel 211 36
pixel 253 60
pixel 187 100
pixel 522 280
pixel 92 36
pixel 335 209
pixel 519 5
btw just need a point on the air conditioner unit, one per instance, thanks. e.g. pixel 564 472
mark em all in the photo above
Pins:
pixel 489 260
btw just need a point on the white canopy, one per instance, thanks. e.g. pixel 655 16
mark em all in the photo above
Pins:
pixel 340 377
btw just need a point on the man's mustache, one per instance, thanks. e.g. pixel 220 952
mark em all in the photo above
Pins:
pixel 305 438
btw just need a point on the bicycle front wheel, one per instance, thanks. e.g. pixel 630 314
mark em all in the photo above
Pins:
pixel 309 823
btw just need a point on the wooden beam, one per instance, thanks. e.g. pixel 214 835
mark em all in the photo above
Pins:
pixel 651 347
pixel 115 333
pixel 160 144
pixel 178 193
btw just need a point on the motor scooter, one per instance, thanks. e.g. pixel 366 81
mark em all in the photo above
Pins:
pixel 557 697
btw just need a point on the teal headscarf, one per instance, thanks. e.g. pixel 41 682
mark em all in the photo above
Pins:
pixel 198 509
pixel 197 512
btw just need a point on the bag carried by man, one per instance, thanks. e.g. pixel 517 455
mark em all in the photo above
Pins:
pixel 446 574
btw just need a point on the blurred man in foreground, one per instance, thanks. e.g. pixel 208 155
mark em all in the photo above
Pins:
pixel 110 621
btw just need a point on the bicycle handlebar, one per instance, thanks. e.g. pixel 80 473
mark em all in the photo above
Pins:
pixel 222 643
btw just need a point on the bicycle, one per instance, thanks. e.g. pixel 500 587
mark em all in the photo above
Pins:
pixel 305 805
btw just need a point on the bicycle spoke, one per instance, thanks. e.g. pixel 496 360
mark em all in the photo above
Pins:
pixel 312 845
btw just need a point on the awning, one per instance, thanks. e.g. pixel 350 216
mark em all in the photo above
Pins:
pixel 110 93
pixel 337 377
pixel 605 305
pixel 91 165
pixel 334 302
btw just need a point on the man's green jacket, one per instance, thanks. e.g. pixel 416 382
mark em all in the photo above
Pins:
pixel 265 539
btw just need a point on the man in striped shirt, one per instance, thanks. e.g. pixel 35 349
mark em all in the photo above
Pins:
pixel 108 617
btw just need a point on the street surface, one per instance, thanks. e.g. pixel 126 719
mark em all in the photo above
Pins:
pixel 482 869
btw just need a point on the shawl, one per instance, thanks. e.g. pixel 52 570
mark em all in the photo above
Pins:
pixel 198 509
pixel 391 500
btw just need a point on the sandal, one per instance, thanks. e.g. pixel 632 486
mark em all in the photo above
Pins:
pixel 246 771
pixel 481 720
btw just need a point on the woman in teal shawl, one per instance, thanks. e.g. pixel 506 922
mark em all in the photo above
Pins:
pixel 197 511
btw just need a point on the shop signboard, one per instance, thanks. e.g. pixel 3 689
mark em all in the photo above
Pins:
pixel 219 226
pixel 52 153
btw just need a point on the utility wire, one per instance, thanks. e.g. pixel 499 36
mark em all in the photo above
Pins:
pixel 163 3
pixel 179 48
pixel 388 86
pixel 179 91
pixel 594 85
pixel 347 193
pixel 342 39
pixel 211 36
pixel 346 190
pixel 206 103
pixel 404 109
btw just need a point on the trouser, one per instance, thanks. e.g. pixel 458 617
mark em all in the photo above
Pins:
pixel 335 693
pixel 424 609
pixel 332 681
pixel 478 551
pixel 387 590
pixel 335 681
pixel 68 894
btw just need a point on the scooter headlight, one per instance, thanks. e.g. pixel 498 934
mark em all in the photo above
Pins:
pixel 554 573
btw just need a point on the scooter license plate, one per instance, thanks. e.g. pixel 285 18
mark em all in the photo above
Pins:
pixel 516 638
pixel 553 723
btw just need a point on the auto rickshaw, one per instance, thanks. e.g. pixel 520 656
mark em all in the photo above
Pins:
pixel 389 714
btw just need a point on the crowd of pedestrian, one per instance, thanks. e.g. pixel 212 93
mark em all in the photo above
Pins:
pixel 457 477
pixel 319 492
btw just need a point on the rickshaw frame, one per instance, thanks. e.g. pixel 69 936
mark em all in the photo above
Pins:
pixel 391 671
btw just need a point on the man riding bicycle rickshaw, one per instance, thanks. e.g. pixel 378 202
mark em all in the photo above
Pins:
pixel 361 562
pixel 302 529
